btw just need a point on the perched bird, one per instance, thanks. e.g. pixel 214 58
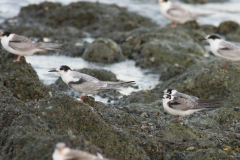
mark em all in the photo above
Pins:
pixel 87 84
pixel 177 14
pixel 180 106
pixel 62 152
pixel 23 46
pixel 223 49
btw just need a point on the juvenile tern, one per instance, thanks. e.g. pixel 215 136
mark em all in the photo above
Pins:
pixel 223 49
pixel 23 46
pixel 180 106
pixel 177 14
pixel 87 84
pixel 62 152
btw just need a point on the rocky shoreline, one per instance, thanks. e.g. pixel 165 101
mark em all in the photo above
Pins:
pixel 34 116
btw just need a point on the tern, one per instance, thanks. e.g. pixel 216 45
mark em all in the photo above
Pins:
pixel 223 49
pixel 87 84
pixel 180 106
pixel 177 14
pixel 23 46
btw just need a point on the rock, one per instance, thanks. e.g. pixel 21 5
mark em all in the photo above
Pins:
pixel 171 71
pixel 227 27
pixel 30 128
pixel 103 50
pixel 157 53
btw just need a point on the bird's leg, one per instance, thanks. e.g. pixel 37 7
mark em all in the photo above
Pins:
pixel 18 59
pixel 225 65
pixel 174 24
pixel 82 97
pixel 175 121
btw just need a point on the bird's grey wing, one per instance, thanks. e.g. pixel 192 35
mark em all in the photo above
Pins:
pixel 84 86
pixel 22 43
pixel 177 11
pixel 86 77
pixel 228 50
pixel 80 155
pixel 181 104
pixel 182 95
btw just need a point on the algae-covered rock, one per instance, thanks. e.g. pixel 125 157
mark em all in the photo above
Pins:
pixel 103 50
pixel 157 53
pixel 21 79
pixel 227 27
pixel 30 128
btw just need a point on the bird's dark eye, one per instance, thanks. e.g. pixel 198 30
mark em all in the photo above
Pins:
pixel 61 68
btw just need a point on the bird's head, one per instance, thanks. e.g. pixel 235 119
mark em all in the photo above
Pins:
pixel 169 91
pixel 211 38
pixel 167 97
pixel 5 34
pixel 163 1
pixel 62 70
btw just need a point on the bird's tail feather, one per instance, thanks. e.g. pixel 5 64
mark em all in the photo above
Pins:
pixel 208 104
pixel 116 85
pixel 51 46
pixel 198 15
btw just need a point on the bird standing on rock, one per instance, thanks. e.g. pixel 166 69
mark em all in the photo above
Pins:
pixel 23 46
pixel 223 49
pixel 87 84
pixel 180 104
pixel 177 14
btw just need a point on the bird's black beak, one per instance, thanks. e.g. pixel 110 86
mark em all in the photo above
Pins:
pixel 53 70
pixel 202 39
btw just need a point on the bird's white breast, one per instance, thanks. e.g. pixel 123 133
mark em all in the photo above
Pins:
pixel 68 78
pixel 176 112
pixel 57 156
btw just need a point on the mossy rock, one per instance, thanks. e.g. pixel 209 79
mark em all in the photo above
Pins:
pixel 103 50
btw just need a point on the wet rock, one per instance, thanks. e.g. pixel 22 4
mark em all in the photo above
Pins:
pixel 209 29
pixel 203 1
pixel 93 15
pixel 227 27
pixel 21 79
pixel 103 50
pixel 208 154
pixel 171 71
pixel 157 53
pixel 30 129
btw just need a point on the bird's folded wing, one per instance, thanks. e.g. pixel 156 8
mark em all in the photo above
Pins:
pixel 182 95
pixel 86 77
pixel 228 49
pixel 177 11
pixel 84 86
pixel 22 43
pixel 181 104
